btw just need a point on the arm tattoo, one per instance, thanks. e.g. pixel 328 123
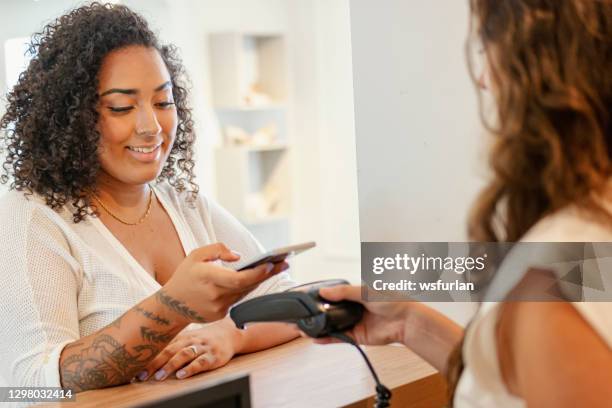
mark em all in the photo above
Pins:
pixel 178 306
pixel 157 319
pixel 153 336
pixel 104 363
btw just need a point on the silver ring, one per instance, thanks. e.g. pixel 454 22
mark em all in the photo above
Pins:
pixel 194 349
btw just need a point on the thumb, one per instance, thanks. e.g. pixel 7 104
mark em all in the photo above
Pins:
pixel 238 281
pixel 341 292
pixel 213 252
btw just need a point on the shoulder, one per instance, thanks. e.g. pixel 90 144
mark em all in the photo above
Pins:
pixel 27 222
pixel 20 211
pixel 19 199
pixel 17 208
pixel 570 224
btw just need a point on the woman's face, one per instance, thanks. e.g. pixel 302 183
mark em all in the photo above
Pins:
pixel 137 116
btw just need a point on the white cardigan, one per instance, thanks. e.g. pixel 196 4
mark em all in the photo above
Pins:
pixel 61 281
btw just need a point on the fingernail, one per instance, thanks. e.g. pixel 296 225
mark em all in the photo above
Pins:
pixel 236 253
pixel 180 373
pixel 142 375
pixel 269 267
pixel 160 374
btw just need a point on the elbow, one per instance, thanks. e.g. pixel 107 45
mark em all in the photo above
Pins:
pixel 28 372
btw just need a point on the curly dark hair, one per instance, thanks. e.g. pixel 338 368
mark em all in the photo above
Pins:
pixel 49 129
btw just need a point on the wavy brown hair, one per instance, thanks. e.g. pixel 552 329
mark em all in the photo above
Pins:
pixel 550 65
pixel 550 70
pixel 49 129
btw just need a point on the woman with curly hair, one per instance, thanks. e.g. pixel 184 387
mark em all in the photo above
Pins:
pixel 549 65
pixel 109 253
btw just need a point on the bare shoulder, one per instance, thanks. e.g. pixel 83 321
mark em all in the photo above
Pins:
pixel 551 356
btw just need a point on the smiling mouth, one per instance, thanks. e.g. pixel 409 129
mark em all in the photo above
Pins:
pixel 144 149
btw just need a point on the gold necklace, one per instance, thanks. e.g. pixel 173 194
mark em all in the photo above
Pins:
pixel 140 221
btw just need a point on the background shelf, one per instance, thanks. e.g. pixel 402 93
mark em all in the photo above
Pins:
pixel 249 88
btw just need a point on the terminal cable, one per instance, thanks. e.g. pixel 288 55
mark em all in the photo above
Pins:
pixel 383 394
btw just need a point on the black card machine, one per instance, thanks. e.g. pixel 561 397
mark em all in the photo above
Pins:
pixel 314 315
pixel 303 306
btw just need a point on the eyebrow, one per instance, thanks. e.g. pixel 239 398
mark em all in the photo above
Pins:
pixel 166 84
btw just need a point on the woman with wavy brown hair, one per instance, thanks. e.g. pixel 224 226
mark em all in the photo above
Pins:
pixel 549 69
pixel 111 260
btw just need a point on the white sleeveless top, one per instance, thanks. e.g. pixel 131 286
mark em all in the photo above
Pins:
pixel 481 383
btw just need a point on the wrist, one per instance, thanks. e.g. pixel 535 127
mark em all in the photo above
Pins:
pixel 413 321
pixel 237 337
pixel 427 329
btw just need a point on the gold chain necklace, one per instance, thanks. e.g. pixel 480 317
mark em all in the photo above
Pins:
pixel 140 221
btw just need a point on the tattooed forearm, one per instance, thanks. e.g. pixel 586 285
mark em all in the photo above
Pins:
pixel 157 319
pixel 104 362
pixel 178 306
pixel 118 352
pixel 154 336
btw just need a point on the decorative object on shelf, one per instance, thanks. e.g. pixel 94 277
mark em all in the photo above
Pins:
pixel 256 97
pixel 235 135
pixel 267 135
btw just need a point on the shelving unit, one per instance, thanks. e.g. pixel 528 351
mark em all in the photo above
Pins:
pixel 249 88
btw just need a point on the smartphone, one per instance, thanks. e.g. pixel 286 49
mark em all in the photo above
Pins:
pixel 275 256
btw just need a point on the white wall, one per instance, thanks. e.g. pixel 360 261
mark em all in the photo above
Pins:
pixel 418 134
pixel 417 127
pixel 21 18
